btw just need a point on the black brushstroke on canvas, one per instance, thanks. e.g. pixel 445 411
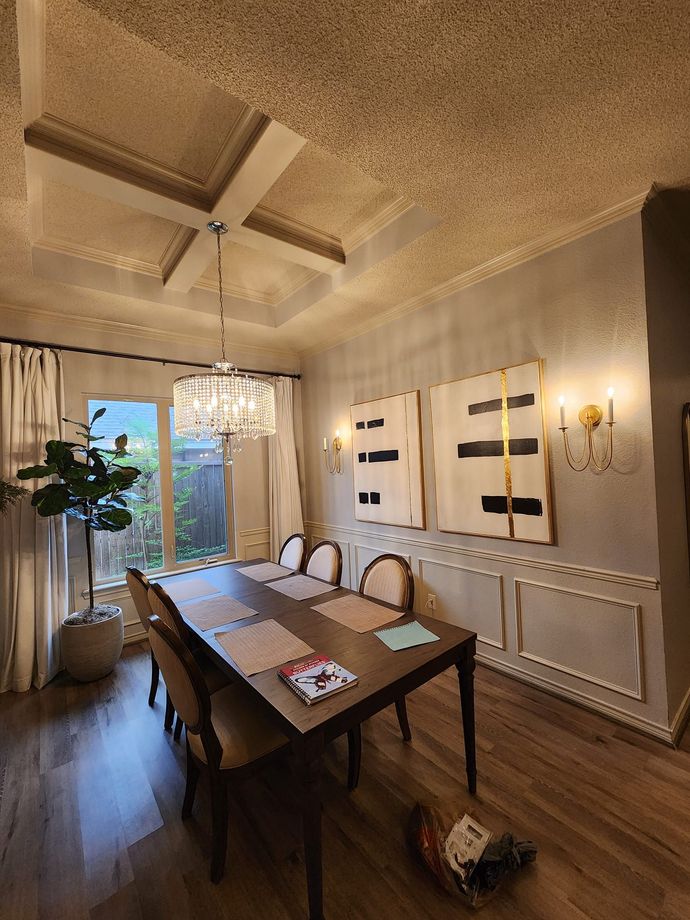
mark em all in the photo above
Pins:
pixel 494 405
pixel 516 447
pixel 359 425
pixel 498 504
pixel 364 498
pixel 375 498
pixel 382 456
pixel 375 423
pixel 362 457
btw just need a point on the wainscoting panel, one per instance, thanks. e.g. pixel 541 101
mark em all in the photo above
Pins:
pixel 364 555
pixel 592 637
pixel 254 544
pixel 467 597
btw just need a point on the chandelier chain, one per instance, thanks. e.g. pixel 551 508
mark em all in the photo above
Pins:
pixel 220 295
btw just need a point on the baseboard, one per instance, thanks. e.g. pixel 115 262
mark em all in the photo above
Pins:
pixel 680 721
pixel 137 635
pixel 645 726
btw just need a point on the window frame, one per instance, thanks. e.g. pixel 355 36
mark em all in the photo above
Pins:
pixel 170 564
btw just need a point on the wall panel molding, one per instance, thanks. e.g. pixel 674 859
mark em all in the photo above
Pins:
pixel 499 611
pixel 620 578
pixel 634 611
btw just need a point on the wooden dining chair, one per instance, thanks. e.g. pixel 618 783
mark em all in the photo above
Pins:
pixel 228 735
pixel 389 578
pixel 292 552
pixel 325 561
pixel 165 608
pixel 138 585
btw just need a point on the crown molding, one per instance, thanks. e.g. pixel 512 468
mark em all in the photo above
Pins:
pixel 52 244
pixel 150 333
pixel 176 247
pixel 525 253
pixel 289 230
pixel 378 221
pixel 60 138
pixel 237 145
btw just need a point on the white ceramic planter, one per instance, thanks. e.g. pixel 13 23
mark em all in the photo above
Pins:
pixel 91 650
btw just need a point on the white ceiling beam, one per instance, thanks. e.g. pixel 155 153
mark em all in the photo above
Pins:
pixel 273 151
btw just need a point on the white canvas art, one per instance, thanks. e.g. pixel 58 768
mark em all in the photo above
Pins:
pixel 490 461
pixel 387 461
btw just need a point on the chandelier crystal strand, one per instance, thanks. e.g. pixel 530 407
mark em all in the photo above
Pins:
pixel 223 405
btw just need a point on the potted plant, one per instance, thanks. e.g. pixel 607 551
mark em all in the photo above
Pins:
pixel 93 487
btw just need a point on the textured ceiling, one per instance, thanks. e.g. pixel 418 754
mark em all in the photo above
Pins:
pixel 74 216
pixel 508 120
pixel 322 191
pixel 116 86
pixel 259 274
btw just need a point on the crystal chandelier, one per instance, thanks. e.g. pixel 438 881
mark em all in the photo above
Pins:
pixel 223 404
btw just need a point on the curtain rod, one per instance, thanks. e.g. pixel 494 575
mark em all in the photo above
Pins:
pixel 121 354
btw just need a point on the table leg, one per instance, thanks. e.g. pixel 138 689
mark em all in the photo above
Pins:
pixel 465 666
pixel 309 766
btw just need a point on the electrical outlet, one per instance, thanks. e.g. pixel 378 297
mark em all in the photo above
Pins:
pixel 431 601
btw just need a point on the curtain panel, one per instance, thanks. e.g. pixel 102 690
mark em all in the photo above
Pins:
pixel 33 550
pixel 285 503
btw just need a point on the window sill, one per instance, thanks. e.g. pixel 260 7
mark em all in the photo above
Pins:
pixel 119 588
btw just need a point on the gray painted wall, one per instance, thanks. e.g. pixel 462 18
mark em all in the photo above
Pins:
pixel 582 309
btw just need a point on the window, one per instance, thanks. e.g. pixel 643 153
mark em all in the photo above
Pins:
pixel 184 488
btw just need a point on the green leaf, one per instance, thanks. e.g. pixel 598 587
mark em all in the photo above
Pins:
pixel 75 471
pixel 78 424
pixel 37 472
pixel 121 442
pixel 51 499
pixel 91 437
pixel 124 475
pixel 57 452
pixel 97 414
pixel 117 518
pixel 90 488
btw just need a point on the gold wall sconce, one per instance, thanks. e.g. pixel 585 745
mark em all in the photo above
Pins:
pixel 590 418
pixel 333 463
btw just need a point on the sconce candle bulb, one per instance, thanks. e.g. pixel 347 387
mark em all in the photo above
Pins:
pixel 561 402
pixel 609 420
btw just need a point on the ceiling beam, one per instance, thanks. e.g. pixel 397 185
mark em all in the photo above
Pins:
pixel 290 239
pixel 272 152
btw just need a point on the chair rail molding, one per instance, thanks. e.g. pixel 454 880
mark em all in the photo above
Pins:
pixel 647 582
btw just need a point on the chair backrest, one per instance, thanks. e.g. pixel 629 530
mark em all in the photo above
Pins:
pixel 165 608
pixel 326 562
pixel 292 552
pixel 138 585
pixel 389 578
pixel 186 686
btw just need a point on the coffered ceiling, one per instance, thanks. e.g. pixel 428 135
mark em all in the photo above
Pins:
pixel 367 158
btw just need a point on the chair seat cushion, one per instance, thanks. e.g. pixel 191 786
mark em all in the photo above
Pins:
pixel 244 732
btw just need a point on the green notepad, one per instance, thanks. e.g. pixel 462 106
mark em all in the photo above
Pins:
pixel 407 636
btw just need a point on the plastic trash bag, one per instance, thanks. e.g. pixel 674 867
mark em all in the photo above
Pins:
pixel 504 855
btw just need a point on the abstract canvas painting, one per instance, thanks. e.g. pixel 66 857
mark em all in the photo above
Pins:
pixel 491 466
pixel 387 461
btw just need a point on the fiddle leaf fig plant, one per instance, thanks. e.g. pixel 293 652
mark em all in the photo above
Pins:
pixel 93 484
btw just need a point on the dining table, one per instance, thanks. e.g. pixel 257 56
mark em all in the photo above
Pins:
pixel 384 676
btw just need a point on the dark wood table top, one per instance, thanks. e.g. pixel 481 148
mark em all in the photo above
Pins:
pixel 384 675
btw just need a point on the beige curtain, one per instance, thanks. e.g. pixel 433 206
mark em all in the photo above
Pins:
pixel 33 550
pixel 283 477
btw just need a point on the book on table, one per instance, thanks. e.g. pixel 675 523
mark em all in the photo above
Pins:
pixel 316 678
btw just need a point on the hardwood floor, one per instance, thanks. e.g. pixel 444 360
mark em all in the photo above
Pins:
pixel 91 789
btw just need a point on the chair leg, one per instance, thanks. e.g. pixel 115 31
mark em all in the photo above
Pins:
pixel 178 728
pixel 219 809
pixel 354 756
pixel 401 709
pixel 154 680
pixel 169 713
pixel 190 789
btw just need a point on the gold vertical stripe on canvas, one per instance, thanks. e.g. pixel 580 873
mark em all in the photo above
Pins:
pixel 505 427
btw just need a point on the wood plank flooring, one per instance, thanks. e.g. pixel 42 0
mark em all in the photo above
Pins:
pixel 91 789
